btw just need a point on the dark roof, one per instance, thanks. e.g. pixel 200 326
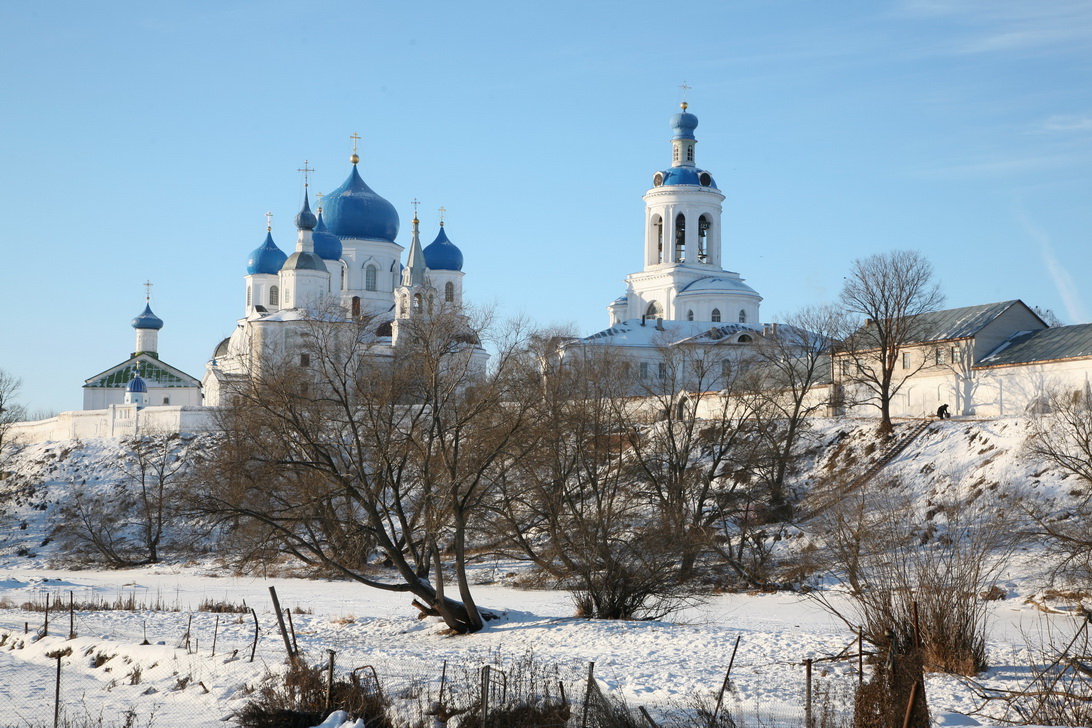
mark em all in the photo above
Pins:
pixel 1025 347
pixel 952 323
pixel 960 323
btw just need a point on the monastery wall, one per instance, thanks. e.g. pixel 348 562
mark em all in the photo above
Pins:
pixel 115 421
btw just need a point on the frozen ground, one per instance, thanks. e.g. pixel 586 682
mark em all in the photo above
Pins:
pixel 654 664
pixel 649 663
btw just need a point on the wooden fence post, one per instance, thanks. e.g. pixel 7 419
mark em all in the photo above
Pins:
pixel 330 682
pixel 71 616
pixel 280 621
pixel 485 695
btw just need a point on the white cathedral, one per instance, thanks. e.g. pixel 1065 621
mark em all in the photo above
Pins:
pixel 345 255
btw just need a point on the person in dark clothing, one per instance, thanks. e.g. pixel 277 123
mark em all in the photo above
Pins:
pixel 942 412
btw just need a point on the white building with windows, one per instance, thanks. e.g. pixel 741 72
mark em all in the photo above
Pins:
pixel 683 293
pixel 142 379
pixel 346 259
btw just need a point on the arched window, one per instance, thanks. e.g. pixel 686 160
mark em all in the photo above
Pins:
pixel 405 305
pixel 356 305
pixel 369 278
pixel 417 303
pixel 680 238
pixel 274 296
pixel 344 275
pixel 716 315
pixel 654 311
pixel 689 315
pixel 449 292
pixel 744 339
pixel 742 316
pixel 658 228
pixel 703 239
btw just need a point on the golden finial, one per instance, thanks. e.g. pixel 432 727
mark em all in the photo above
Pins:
pixel 268 222
pixel 442 211
pixel 147 291
pixel 415 203
pixel 355 158
pixel 307 170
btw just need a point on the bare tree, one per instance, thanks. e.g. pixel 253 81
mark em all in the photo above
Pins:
pixel 1062 438
pixel 10 410
pixel 890 291
pixel 568 502
pixel 794 360
pixel 128 524
pixel 368 464
pixel 917 578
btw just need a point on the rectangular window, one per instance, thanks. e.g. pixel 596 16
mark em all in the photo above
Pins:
pixel 906 360
pixel 940 357
pixel 957 355
pixel 644 370
pixel 663 370
pixel 845 367
pixel 305 360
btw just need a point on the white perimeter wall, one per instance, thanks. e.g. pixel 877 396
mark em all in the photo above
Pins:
pixel 115 421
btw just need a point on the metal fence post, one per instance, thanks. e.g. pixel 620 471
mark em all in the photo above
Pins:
pixel 587 694
pixel 57 696
pixel 807 693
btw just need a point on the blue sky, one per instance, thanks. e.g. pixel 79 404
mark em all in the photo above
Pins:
pixel 147 140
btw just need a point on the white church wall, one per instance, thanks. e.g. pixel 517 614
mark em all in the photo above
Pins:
pixel 116 421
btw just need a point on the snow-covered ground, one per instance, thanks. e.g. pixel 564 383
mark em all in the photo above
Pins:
pixel 654 664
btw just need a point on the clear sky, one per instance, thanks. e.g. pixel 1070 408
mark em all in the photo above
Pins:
pixel 146 140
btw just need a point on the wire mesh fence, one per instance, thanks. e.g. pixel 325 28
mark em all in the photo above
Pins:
pixel 78 671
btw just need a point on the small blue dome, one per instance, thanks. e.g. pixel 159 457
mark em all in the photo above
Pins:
pixel 304 261
pixel 353 210
pixel 266 259
pixel 684 125
pixel 306 220
pixel 688 176
pixel 327 245
pixel 137 385
pixel 441 254
pixel 147 319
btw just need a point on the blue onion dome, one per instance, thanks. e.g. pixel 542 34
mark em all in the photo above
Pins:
pixel 684 124
pixel 136 384
pixel 354 210
pixel 684 176
pixel 441 253
pixel 306 219
pixel 266 258
pixel 301 260
pixel 327 245
pixel 147 319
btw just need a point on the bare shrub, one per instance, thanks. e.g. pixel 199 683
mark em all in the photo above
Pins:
pixel 917 581
pixel 1060 690
pixel 297 699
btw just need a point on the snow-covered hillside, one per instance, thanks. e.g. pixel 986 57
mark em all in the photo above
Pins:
pixel 656 664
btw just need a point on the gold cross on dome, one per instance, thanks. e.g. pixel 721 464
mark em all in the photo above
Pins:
pixel 307 170
pixel 268 221
pixel 355 137
pixel 442 211
pixel 147 291
pixel 415 202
